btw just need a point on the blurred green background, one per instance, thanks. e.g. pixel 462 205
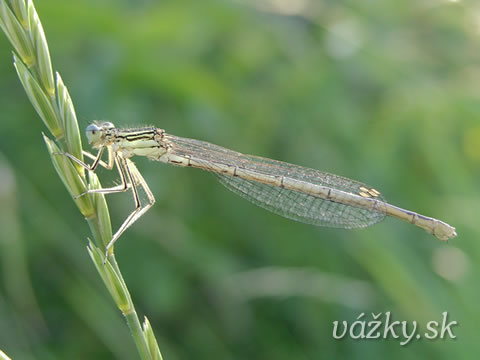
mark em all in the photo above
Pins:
pixel 384 92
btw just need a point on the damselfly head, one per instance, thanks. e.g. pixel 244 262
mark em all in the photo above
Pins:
pixel 96 132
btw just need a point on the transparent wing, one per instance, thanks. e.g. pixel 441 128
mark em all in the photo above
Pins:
pixel 291 204
pixel 300 206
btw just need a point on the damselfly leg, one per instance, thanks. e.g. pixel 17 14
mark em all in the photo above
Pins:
pixel 130 178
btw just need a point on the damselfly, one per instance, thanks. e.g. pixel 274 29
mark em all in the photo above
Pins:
pixel 295 192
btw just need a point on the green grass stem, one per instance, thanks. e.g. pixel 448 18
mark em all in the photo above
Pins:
pixel 50 98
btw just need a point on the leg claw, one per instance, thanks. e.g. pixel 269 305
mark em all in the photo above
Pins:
pixel 80 195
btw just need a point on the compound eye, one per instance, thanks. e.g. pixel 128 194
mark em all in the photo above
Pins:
pixel 92 129
pixel 94 134
pixel 108 125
